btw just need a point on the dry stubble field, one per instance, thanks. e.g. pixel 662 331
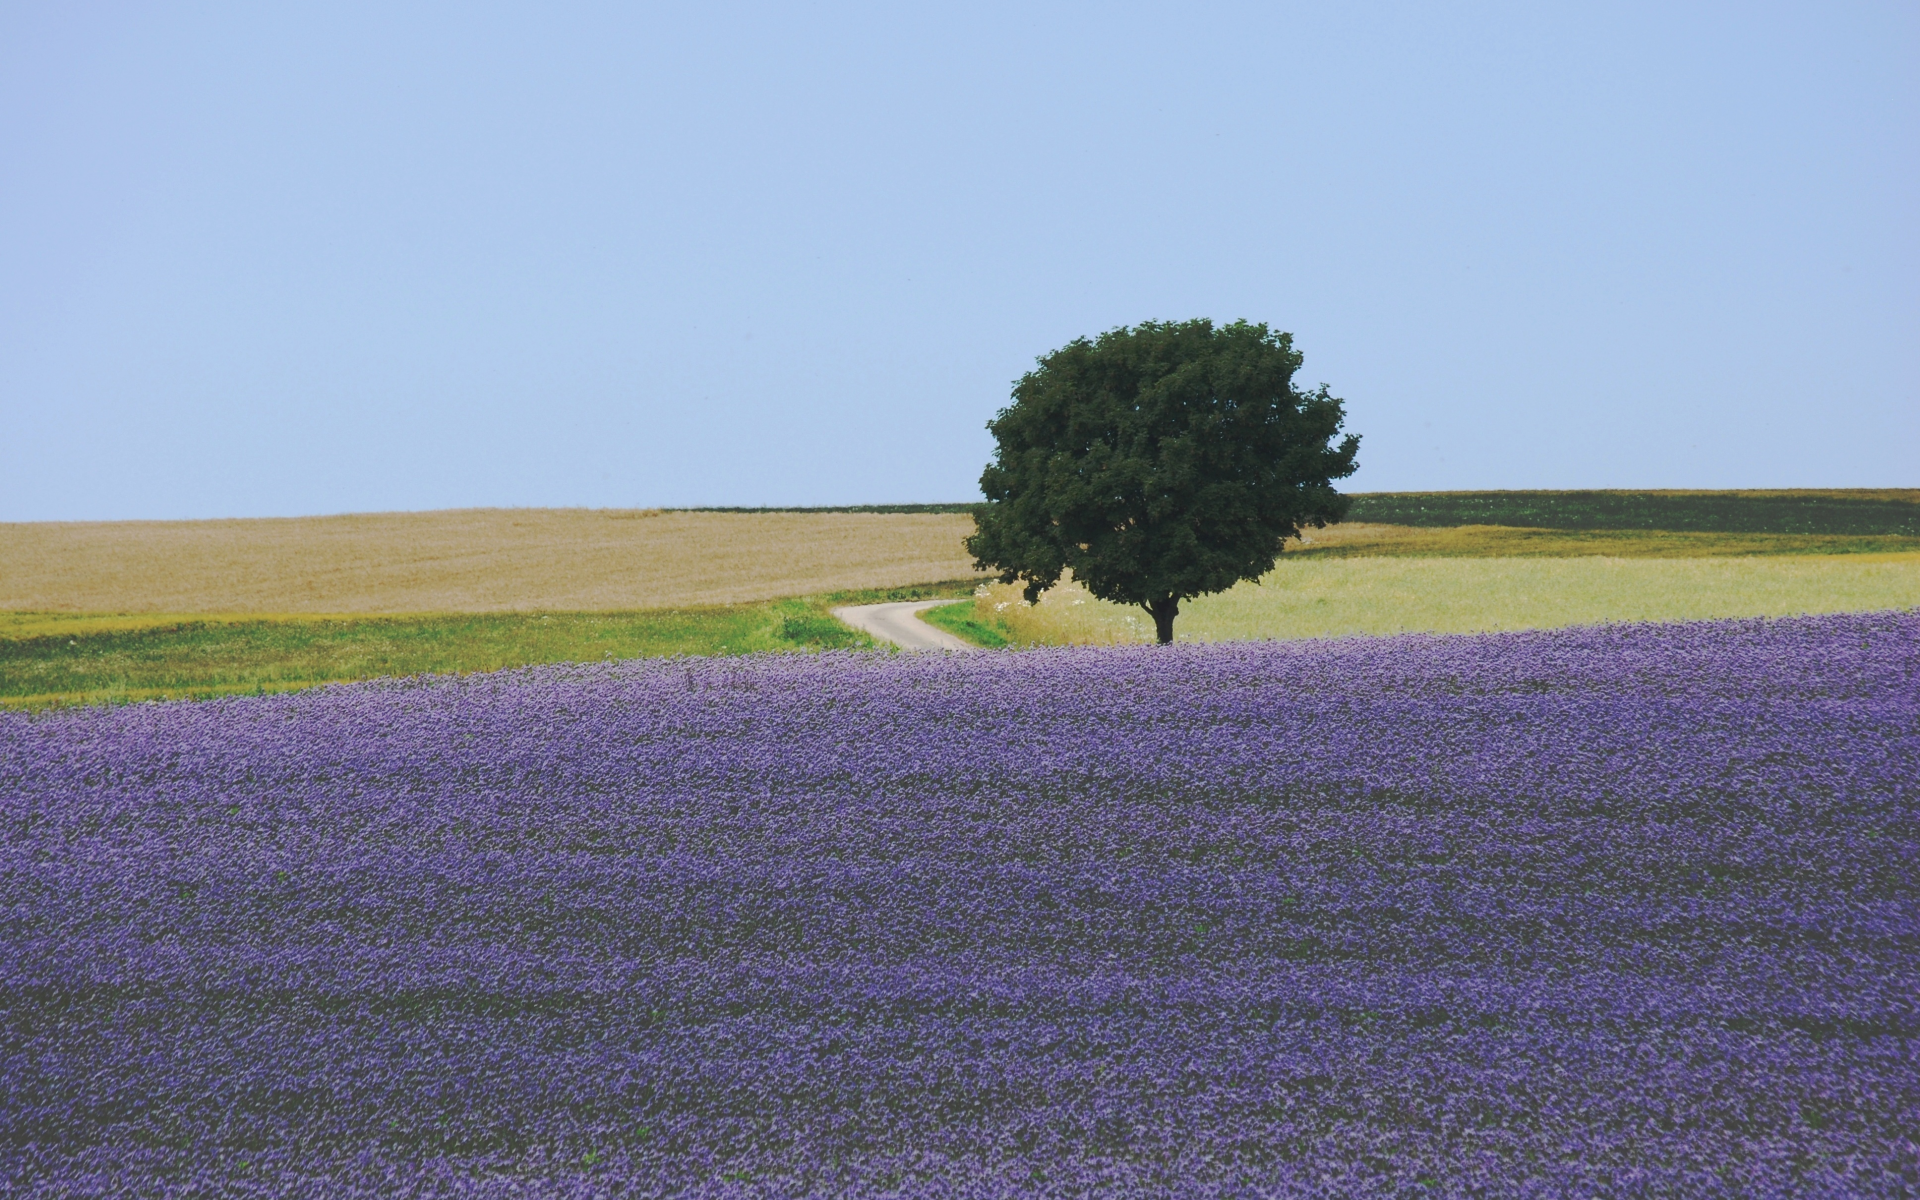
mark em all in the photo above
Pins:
pixel 469 560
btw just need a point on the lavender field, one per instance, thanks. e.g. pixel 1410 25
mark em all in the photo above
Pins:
pixel 1625 911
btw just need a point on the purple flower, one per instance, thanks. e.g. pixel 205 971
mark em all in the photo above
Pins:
pixel 1626 910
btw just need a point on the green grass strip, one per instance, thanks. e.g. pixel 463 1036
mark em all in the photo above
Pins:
pixel 55 659
pixel 965 623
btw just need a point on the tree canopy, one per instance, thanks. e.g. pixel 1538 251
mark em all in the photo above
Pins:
pixel 1158 463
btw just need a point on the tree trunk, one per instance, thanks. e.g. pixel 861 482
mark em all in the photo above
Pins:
pixel 1164 610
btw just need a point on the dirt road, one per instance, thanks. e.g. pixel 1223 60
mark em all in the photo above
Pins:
pixel 897 623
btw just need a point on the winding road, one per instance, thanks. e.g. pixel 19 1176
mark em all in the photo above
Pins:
pixel 899 624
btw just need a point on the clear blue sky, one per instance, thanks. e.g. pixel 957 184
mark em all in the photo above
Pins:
pixel 272 259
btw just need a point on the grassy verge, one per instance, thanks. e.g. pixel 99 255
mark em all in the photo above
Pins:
pixel 52 659
pixel 1305 597
pixel 948 589
pixel 968 623
pixel 1833 511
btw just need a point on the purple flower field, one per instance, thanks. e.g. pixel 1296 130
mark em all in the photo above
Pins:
pixel 1624 911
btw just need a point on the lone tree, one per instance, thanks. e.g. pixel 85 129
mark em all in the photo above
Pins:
pixel 1159 463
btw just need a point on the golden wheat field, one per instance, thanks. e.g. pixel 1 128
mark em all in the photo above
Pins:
pixel 1329 597
pixel 470 560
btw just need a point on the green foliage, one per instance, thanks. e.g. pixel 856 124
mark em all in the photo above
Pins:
pixel 1159 463
pixel 965 623
pixel 1835 512
pixel 818 631
pixel 946 589
pixel 214 656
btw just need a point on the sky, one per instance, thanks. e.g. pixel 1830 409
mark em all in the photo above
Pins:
pixel 271 260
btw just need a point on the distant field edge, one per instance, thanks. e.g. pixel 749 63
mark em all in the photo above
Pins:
pixel 1808 511
pixel 1357 539
pixel 1826 511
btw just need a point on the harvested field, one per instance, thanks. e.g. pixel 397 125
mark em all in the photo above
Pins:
pixel 470 560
